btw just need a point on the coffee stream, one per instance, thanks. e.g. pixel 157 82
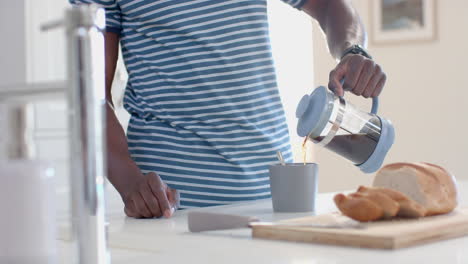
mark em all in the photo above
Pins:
pixel 304 150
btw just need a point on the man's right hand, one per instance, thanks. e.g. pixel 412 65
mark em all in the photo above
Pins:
pixel 151 197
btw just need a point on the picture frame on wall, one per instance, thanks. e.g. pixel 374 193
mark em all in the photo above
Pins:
pixel 397 21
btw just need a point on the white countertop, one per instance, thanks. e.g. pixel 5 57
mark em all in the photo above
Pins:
pixel 160 240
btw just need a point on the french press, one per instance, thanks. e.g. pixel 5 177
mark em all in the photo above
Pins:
pixel 332 122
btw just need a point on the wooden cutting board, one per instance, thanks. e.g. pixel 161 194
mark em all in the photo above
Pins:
pixel 388 234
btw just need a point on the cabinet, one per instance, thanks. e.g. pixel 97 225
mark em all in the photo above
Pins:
pixel 27 54
pixel 31 60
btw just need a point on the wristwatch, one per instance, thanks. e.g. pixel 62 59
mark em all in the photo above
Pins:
pixel 356 49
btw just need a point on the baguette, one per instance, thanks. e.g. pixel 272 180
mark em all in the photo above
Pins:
pixel 358 208
pixel 376 203
pixel 389 205
pixel 407 207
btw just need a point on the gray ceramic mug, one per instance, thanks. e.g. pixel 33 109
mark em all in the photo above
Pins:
pixel 293 187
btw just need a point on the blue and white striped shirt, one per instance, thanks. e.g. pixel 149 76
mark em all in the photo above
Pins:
pixel 205 109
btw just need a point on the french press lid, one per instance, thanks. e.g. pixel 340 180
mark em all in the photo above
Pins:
pixel 314 112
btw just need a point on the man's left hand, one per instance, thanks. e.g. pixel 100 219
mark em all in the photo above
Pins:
pixel 362 76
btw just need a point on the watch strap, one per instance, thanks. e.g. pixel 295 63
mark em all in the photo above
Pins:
pixel 356 49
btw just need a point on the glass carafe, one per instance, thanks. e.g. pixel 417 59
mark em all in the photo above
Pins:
pixel 331 122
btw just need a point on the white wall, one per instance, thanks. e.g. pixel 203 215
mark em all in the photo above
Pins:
pixel 426 97
pixel 291 40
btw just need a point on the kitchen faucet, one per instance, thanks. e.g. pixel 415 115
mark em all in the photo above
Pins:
pixel 85 25
pixel 84 28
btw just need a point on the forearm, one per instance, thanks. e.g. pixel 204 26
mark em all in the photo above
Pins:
pixel 111 57
pixel 121 168
pixel 340 22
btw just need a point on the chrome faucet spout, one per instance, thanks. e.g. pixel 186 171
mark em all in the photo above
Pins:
pixel 86 97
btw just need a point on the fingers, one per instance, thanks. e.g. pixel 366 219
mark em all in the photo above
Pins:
pixel 130 211
pixel 372 84
pixel 367 72
pixel 380 85
pixel 354 65
pixel 174 197
pixel 150 201
pixel 362 76
pixel 135 207
pixel 140 205
pixel 335 78
pixel 151 198
pixel 159 190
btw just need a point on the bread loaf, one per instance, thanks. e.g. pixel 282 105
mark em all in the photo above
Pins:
pixel 402 190
pixel 427 184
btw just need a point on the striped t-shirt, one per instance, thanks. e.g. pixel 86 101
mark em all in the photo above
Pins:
pixel 205 109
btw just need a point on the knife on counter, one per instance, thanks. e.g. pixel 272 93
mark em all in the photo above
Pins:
pixel 207 221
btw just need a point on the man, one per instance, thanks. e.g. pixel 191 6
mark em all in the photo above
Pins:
pixel 206 117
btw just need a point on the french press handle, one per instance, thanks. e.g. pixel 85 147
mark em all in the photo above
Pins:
pixel 375 102
pixel 375 105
